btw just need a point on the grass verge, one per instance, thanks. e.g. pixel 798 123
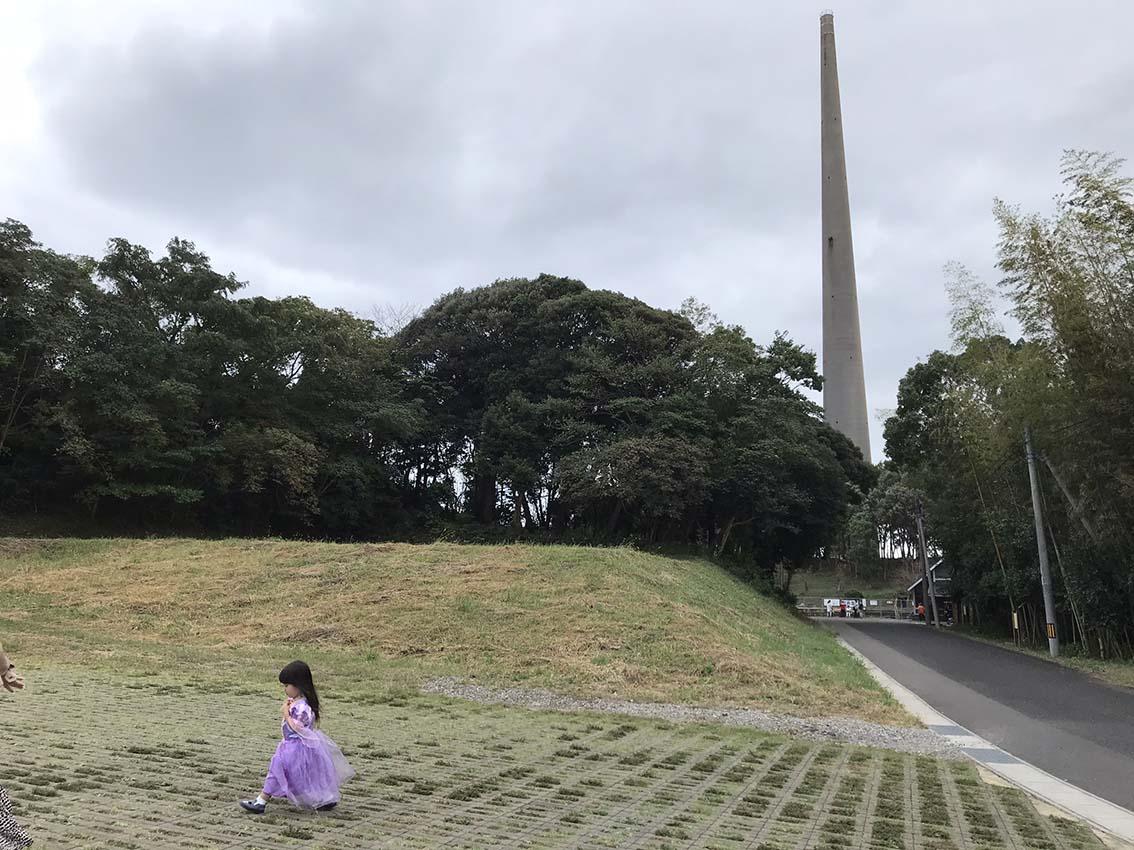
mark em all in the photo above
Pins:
pixel 1116 672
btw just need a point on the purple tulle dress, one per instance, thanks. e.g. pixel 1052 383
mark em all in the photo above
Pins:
pixel 308 767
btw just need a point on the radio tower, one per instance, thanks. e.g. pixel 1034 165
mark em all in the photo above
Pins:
pixel 844 387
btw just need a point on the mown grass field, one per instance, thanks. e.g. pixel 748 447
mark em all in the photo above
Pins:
pixel 577 620
pixel 156 761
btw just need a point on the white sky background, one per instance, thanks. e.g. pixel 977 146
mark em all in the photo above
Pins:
pixel 387 152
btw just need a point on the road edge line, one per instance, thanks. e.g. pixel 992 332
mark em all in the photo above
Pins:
pixel 1101 814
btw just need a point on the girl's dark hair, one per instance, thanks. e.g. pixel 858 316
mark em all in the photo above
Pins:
pixel 297 673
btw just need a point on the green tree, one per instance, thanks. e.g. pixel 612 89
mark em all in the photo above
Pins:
pixel 960 419
pixel 145 389
pixel 44 300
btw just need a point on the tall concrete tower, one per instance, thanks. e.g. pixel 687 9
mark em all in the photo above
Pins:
pixel 844 387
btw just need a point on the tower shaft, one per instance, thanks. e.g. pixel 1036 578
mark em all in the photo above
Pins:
pixel 844 386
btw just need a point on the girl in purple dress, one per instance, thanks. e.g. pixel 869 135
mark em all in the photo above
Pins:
pixel 308 767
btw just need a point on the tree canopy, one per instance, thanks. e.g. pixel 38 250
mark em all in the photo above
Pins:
pixel 149 392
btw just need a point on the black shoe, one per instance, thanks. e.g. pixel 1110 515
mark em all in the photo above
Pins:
pixel 327 807
pixel 253 807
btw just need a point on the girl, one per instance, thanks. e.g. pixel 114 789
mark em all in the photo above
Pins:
pixel 307 767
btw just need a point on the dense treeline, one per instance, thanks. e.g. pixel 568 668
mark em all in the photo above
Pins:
pixel 957 435
pixel 145 392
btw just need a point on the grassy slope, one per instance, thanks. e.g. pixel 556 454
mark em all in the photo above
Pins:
pixel 833 583
pixel 581 621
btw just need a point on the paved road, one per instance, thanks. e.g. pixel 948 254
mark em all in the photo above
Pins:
pixel 1058 719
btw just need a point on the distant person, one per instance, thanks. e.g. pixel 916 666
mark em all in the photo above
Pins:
pixel 842 608
pixel 12 835
pixel 308 767
pixel 921 611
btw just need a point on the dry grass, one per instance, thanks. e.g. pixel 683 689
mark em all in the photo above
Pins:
pixel 1117 672
pixel 578 620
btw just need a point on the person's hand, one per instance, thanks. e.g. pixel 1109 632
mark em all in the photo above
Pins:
pixel 286 707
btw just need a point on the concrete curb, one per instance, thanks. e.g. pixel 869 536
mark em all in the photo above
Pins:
pixel 1101 814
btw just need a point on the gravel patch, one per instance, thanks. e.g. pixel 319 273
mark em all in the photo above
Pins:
pixel 845 729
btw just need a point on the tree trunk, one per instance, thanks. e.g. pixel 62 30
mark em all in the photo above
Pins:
pixel 725 533
pixel 558 516
pixel 1076 618
pixel 16 402
pixel 991 532
pixel 1076 506
pixel 789 573
pixel 483 506
pixel 612 523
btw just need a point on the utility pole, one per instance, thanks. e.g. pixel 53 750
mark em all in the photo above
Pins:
pixel 1041 544
pixel 927 577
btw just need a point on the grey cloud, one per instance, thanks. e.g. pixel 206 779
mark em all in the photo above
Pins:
pixel 659 148
pixel 426 135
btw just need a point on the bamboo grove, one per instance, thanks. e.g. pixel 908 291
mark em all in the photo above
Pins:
pixel 957 435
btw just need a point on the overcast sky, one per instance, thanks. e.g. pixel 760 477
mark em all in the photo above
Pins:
pixel 386 152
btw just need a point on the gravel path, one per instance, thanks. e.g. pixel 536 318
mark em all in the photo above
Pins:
pixel 845 729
